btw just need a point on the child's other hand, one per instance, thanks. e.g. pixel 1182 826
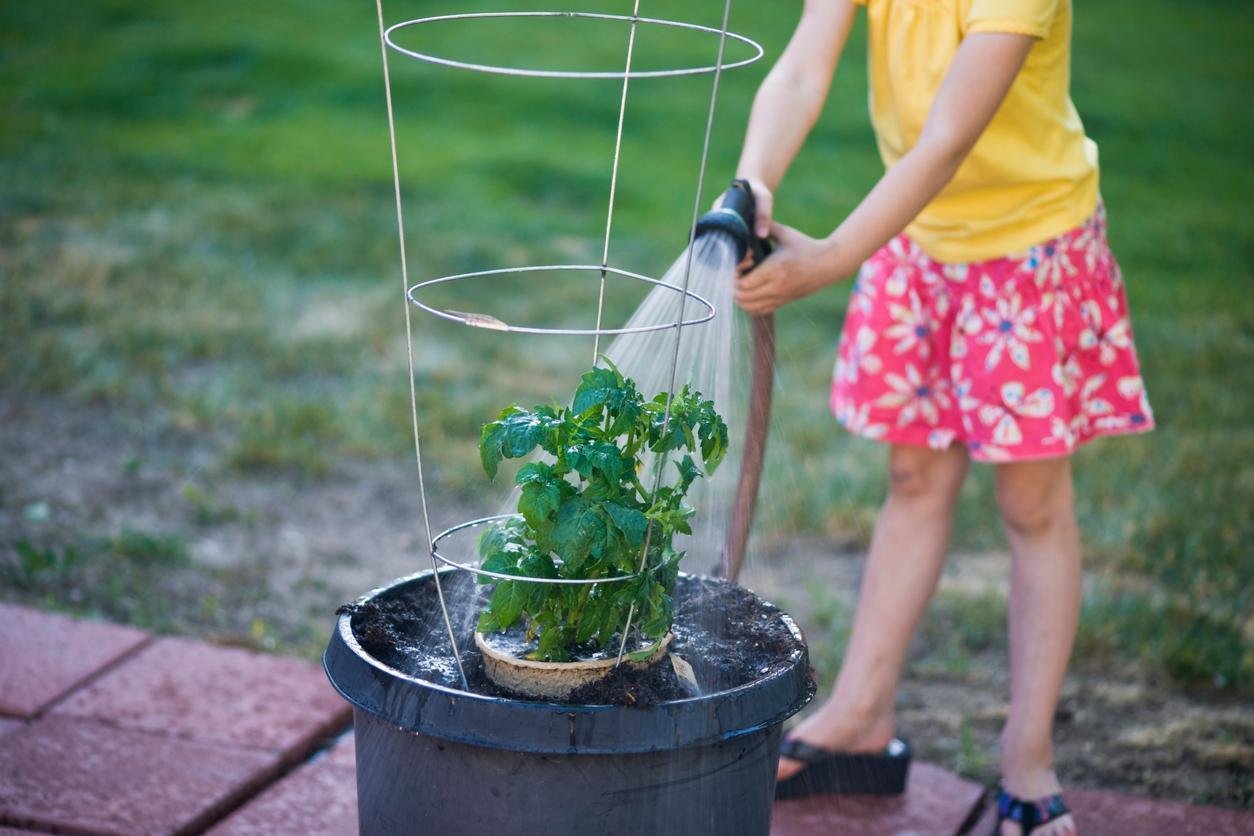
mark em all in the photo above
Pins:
pixel 799 266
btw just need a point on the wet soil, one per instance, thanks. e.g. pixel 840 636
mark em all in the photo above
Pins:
pixel 727 634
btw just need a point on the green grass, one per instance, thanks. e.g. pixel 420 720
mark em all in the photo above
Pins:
pixel 196 222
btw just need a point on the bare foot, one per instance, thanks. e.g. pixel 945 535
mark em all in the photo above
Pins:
pixel 836 729
pixel 1034 786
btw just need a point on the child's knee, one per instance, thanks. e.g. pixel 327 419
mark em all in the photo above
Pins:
pixel 1032 506
pixel 921 475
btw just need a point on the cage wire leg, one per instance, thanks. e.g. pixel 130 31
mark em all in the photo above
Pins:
pixel 409 346
pixel 609 210
pixel 679 322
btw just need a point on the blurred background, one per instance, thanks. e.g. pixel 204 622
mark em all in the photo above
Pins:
pixel 204 418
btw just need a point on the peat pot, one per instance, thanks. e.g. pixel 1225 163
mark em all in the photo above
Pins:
pixel 433 758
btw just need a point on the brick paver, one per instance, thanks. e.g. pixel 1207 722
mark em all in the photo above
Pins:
pixel 344 752
pixel 43 655
pixel 935 802
pixel 316 800
pixel 223 694
pixel 9 725
pixel 66 774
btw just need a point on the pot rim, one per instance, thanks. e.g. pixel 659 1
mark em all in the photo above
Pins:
pixel 448 712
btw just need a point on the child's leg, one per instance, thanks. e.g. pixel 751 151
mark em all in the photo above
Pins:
pixel 1038 510
pixel 904 563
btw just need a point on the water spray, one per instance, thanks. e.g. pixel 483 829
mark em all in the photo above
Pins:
pixel 733 220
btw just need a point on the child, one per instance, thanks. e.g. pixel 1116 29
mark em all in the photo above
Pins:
pixel 988 322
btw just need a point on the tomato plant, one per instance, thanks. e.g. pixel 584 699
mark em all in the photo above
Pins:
pixel 588 511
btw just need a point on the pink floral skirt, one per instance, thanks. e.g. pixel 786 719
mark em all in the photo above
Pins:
pixel 1017 358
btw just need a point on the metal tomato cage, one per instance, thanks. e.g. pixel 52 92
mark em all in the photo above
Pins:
pixel 763 358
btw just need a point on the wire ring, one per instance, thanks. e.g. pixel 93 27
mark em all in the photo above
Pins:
pixel 475 570
pixel 518 71
pixel 477 320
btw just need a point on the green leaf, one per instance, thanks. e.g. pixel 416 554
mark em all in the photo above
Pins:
pixel 514 434
pixel 507 603
pixel 498 562
pixel 597 456
pixel 688 472
pixel 488 623
pixel 534 472
pixel 629 521
pixel 538 502
pixel 596 388
pixel 580 531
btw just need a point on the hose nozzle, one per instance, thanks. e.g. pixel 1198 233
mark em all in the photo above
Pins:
pixel 735 216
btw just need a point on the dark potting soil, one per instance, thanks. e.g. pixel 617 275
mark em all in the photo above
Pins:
pixel 727 634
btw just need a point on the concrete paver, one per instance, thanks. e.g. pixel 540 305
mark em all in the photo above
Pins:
pixel 935 802
pixel 44 655
pixel 66 774
pixel 316 800
pixel 224 694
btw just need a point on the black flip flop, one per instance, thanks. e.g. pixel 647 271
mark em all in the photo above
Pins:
pixel 851 773
pixel 1029 814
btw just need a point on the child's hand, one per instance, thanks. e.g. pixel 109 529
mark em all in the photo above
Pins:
pixel 799 266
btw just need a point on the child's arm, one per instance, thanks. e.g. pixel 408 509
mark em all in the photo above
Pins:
pixel 979 77
pixel 790 99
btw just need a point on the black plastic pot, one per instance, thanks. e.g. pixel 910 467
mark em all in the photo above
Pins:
pixel 436 759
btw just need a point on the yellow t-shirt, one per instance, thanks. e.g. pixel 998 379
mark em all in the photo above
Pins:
pixel 1033 173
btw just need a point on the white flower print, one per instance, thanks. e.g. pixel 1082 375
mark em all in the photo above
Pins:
pixel 1109 341
pixel 1012 330
pixel 1060 432
pixel 956 272
pixel 1091 241
pixel 1015 402
pixel 1049 263
pixel 1132 388
pixel 988 287
pixel 967 323
pixel 859 358
pixel 864 290
pixel 914 396
pixel 1091 405
pixel 940 439
pixel 1066 371
pixel 980 450
pixel 858 422
pixel 907 257
pixel 1115 339
pixel 910 328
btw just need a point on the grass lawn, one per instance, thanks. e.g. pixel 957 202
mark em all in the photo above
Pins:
pixel 196 226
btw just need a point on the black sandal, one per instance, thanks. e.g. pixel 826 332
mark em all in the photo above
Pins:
pixel 869 773
pixel 1029 815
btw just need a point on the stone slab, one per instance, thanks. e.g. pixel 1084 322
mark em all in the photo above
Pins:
pixel 64 774
pixel 319 799
pixel 1102 813
pixel 935 802
pixel 223 694
pixel 43 655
